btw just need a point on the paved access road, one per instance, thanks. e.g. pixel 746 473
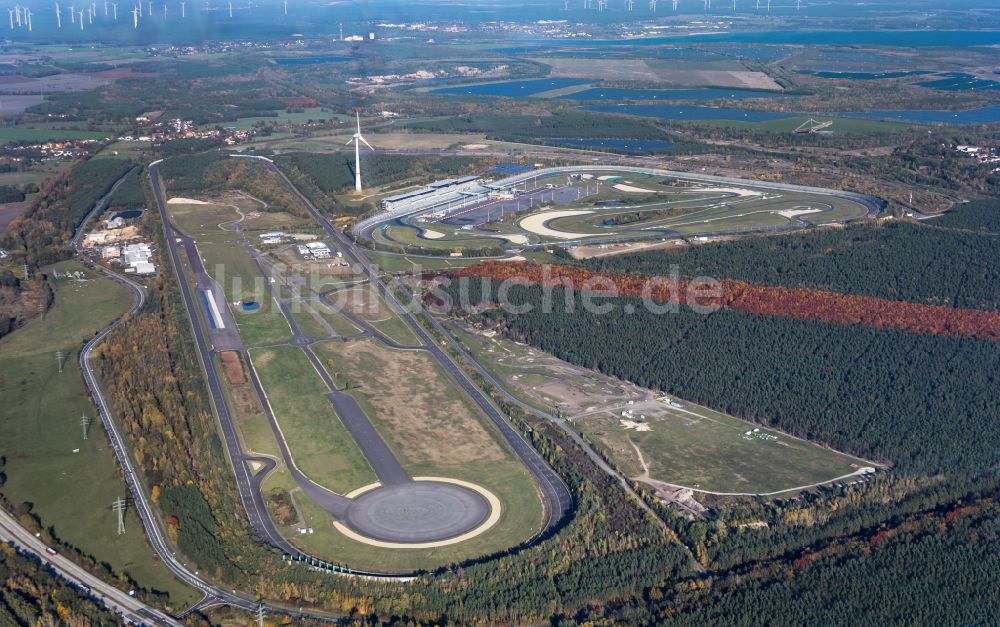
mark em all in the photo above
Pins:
pixel 558 498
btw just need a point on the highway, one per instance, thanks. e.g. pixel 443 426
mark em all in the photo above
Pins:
pixel 131 609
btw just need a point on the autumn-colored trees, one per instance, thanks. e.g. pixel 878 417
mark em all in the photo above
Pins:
pixel 802 303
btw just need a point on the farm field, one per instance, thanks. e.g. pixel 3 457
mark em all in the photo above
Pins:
pixel 69 481
pixel 663 440
pixel 306 116
pixel 18 134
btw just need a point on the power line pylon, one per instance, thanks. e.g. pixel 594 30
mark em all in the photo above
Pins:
pixel 84 422
pixel 119 506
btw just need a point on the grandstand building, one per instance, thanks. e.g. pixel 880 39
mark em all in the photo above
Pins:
pixel 448 189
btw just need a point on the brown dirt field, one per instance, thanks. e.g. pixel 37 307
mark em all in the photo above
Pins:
pixel 232 367
pixel 429 420
pixel 245 401
pixel 361 302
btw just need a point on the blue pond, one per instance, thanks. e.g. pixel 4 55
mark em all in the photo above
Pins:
pixel 512 89
pixel 959 81
pixel 631 145
pixel 985 115
pixel 680 112
pixel 705 93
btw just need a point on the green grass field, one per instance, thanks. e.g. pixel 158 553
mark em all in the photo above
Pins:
pixel 40 430
pixel 320 444
pixel 520 519
pixel 228 262
pixel 18 134
pixel 841 125
pixel 699 448
pixel 688 445
pixel 310 114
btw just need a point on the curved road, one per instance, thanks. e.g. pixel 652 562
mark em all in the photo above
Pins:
pixel 558 498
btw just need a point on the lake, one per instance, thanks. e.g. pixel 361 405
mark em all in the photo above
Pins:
pixel 985 115
pixel 690 113
pixel 869 76
pixel 701 93
pixel 513 89
pixel 959 81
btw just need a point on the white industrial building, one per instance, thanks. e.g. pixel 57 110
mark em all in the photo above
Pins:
pixel 435 193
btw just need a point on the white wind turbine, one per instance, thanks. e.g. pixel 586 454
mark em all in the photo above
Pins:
pixel 27 17
pixel 183 14
pixel 356 139
pixel 135 17
pixel 11 14
pixel 114 10
pixel 58 16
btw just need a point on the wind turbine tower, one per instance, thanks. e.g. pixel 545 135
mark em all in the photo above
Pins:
pixel 135 18
pixel 114 10
pixel 286 7
pixel 356 140
pixel 11 15
pixel 183 13
pixel 164 10
pixel 17 14
pixel 652 6
pixel 80 11
pixel 230 9
pixel 58 16
pixel 105 8
pixel 27 16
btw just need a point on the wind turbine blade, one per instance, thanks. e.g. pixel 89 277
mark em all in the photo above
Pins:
pixel 349 141
pixel 366 141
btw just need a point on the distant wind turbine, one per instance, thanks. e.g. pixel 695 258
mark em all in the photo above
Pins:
pixel 58 16
pixel 356 139
pixel 114 10
pixel 183 14
pixel 11 12
pixel 135 17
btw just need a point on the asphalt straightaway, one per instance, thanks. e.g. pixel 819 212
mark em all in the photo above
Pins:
pixel 558 497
